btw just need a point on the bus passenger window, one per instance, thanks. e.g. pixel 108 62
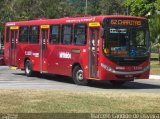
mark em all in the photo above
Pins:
pixel 54 34
pixel 80 34
pixel 34 35
pixel 23 35
pixel 66 34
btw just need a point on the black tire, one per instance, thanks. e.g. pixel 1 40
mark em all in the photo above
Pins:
pixel 117 83
pixel 78 76
pixel 28 68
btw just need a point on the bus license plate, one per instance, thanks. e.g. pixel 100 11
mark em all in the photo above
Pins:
pixel 128 76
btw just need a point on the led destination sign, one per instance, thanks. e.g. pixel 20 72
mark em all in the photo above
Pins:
pixel 126 22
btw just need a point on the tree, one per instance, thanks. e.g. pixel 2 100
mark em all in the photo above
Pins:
pixel 140 7
pixel 155 32
pixel 157 5
pixel 110 7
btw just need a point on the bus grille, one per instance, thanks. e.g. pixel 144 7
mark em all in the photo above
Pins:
pixel 128 61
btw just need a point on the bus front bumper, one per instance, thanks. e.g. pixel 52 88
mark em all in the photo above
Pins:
pixel 112 74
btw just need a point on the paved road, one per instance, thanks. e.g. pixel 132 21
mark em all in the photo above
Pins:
pixel 15 79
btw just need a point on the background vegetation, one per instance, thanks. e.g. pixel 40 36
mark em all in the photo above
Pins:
pixel 13 10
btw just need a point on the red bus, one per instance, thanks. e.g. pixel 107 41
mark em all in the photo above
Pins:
pixel 114 48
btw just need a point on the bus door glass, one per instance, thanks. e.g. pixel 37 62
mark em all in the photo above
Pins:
pixel 94 52
pixel 13 45
pixel 44 49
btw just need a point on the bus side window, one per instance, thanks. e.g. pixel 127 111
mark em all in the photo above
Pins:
pixel 67 34
pixel 7 34
pixel 54 34
pixel 23 35
pixel 34 35
pixel 80 34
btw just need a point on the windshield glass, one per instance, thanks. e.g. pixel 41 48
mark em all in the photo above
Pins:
pixel 130 42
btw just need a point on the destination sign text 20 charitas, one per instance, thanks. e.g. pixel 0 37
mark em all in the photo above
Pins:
pixel 126 22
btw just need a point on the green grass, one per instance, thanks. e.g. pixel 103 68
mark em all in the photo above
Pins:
pixel 155 66
pixel 154 55
pixel 41 101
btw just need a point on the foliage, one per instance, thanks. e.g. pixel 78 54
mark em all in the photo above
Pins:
pixel 157 5
pixel 155 32
pixel 15 10
pixel 11 10
pixel 141 7
pixel 150 9
pixel 111 7
pixel 155 28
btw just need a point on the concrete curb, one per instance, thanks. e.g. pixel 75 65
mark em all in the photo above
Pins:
pixel 154 77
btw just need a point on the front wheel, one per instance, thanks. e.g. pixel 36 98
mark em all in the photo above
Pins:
pixel 78 76
pixel 28 68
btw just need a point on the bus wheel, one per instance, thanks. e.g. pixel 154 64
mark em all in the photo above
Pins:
pixel 28 68
pixel 78 76
pixel 117 83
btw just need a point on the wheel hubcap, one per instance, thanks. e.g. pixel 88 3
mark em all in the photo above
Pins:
pixel 79 75
pixel 27 68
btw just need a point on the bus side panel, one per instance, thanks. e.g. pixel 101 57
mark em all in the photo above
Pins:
pixel 35 56
pixel 31 52
pixel 84 58
pixel 6 47
pixel 6 53
pixel 52 60
pixel 61 60
pixel 81 58
pixel 20 55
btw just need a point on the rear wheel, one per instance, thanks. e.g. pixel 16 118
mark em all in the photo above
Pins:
pixel 28 68
pixel 78 76
pixel 117 83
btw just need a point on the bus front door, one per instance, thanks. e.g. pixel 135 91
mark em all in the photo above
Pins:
pixel 13 47
pixel 93 53
pixel 44 50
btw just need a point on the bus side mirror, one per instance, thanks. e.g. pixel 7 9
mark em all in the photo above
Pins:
pixel 102 32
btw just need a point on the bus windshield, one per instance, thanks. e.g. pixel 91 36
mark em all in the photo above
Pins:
pixel 121 41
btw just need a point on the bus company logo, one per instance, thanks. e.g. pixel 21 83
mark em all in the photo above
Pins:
pixel 65 55
pixel 30 53
pixel 10 24
pixel 89 19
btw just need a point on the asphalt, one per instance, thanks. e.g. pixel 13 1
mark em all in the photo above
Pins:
pixel 16 79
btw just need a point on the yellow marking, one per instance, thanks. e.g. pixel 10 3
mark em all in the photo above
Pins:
pixel 14 27
pixel 44 26
pixel 13 68
pixel 44 72
pixel 93 24
pixel 94 78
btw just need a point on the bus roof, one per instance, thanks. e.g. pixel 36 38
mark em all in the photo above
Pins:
pixel 67 20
